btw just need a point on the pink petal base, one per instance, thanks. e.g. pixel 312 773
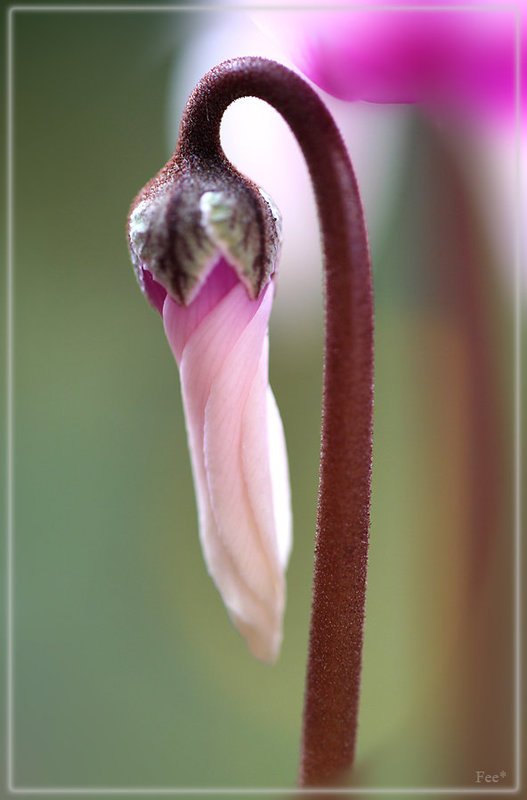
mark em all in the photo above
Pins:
pixel 237 450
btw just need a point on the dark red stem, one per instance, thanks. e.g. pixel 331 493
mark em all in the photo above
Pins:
pixel 335 650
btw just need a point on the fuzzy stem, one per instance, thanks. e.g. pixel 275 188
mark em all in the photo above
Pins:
pixel 335 650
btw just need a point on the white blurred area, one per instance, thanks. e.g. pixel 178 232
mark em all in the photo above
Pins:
pixel 259 143
pixel 495 164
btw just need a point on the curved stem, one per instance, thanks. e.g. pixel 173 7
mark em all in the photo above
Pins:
pixel 334 662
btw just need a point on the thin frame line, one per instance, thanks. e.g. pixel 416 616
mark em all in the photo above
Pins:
pixel 517 411
pixel 10 403
pixel 112 9
pixel 10 414
pixel 288 791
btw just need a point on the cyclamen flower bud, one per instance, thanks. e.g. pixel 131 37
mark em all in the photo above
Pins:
pixel 204 243
pixel 188 215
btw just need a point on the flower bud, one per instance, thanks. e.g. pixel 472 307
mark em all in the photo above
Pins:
pixel 188 216
pixel 204 242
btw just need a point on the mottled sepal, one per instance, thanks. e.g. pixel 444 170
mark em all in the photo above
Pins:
pixel 191 214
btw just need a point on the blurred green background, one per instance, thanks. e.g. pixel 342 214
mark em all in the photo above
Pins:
pixel 127 671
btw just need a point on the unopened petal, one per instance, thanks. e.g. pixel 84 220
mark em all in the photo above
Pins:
pixel 238 460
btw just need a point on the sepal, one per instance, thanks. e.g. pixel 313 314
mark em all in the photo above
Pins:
pixel 188 216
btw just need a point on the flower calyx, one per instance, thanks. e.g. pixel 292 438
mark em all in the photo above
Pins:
pixel 192 213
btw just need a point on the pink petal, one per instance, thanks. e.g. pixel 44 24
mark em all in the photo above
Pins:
pixel 183 320
pixel 235 443
pixel 153 291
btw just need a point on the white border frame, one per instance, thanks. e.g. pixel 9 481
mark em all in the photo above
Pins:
pixel 232 791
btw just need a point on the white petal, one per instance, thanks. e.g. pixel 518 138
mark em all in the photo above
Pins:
pixel 265 467
pixel 279 479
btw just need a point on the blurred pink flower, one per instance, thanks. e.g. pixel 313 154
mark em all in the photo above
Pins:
pixel 446 56
pixel 220 342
